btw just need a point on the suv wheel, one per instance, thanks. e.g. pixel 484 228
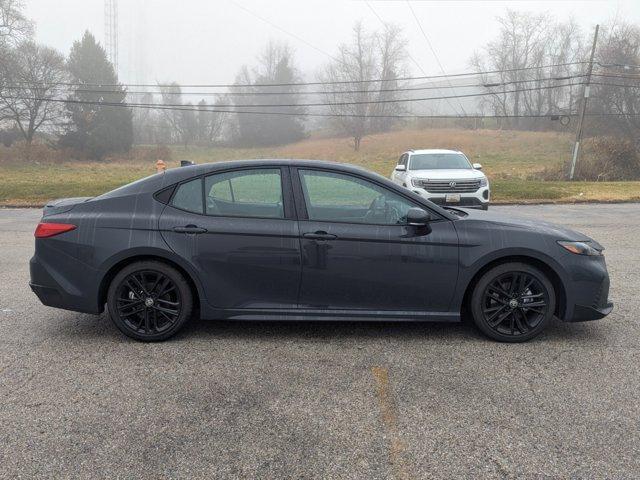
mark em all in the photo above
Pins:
pixel 513 302
pixel 149 301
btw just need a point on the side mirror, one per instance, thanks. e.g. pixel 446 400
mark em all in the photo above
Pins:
pixel 417 217
pixel 401 168
pixel 477 166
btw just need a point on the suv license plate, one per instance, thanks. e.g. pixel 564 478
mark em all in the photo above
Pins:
pixel 452 198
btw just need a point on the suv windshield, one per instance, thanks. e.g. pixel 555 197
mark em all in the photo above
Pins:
pixel 438 161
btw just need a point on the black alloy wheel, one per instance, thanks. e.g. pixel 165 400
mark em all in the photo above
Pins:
pixel 513 302
pixel 149 301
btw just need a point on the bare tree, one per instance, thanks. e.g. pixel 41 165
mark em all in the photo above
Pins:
pixel 188 123
pixel 35 73
pixel 210 123
pixel 172 119
pixel 14 26
pixel 619 45
pixel 521 57
pixel 368 56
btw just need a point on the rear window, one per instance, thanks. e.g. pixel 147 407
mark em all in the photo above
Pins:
pixel 188 196
pixel 245 193
pixel 438 161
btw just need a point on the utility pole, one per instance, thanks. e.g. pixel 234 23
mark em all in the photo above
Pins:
pixel 585 99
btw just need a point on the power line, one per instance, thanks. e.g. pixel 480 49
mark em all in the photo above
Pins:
pixel 385 25
pixel 362 102
pixel 435 55
pixel 318 92
pixel 307 114
pixel 301 84
pixel 617 75
pixel 615 85
pixel 328 104
pixel 408 54
pixel 286 32
pixel 619 65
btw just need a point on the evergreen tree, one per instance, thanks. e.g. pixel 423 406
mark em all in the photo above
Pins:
pixel 276 67
pixel 103 125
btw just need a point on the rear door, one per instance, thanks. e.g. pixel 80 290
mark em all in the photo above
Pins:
pixel 359 253
pixel 237 228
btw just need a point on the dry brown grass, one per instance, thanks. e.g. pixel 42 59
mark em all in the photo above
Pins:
pixel 510 159
pixel 504 154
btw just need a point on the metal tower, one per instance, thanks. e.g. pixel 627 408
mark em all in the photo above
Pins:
pixel 111 31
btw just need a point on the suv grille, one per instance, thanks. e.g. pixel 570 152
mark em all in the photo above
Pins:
pixel 449 186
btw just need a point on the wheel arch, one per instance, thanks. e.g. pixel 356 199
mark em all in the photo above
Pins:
pixel 136 255
pixel 544 265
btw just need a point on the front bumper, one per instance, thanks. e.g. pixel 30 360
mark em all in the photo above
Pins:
pixel 583 313
pixel 590 282
pixel 478 199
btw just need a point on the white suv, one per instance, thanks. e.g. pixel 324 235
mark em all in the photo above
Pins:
pixel 445 177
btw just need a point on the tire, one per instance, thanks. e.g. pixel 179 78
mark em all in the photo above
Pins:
pixel 485 207
pixel 512 302
pixel 149 301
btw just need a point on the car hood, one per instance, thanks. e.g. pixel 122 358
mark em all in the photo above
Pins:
pixel 452 174
pixel 544 228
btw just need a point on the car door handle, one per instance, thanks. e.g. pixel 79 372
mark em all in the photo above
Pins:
pixel 190 229
pixel 320 235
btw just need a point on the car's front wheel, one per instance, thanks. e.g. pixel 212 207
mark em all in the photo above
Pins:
pixel 149 301
pixel 513 302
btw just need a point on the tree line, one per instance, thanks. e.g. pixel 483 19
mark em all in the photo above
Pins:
pixel 77 102
pixel 535 41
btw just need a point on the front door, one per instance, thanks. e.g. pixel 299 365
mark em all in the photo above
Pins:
pixel 237 228
pixel 359 253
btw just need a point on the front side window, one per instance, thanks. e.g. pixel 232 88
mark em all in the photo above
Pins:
pixel 245 193
pixel 188 196
pixel 439 161
pixel 336 197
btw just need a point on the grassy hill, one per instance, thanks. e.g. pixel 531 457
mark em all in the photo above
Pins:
pixel 512 160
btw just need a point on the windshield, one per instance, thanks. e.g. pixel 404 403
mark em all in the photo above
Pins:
pixel 438 161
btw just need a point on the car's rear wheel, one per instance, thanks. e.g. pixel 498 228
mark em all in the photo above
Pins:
pixel 149 301
pixel 513 302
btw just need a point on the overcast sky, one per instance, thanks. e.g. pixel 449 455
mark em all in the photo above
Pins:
pixel 206 41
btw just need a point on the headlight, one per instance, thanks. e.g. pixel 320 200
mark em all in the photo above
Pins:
pixel 579 248
pixel 484 182
pixel 419 182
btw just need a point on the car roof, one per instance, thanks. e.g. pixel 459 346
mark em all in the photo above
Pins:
pixel 179 173
pixel 432 150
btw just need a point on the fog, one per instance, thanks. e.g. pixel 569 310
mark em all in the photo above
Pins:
pixel 208 41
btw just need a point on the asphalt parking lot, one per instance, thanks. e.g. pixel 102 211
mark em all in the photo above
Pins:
pixel 321 400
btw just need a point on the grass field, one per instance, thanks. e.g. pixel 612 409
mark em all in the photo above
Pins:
pixel 509 158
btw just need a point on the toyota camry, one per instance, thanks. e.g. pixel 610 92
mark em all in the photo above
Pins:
pixel 307 240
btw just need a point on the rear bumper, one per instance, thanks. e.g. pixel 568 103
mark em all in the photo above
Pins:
pixel 61 293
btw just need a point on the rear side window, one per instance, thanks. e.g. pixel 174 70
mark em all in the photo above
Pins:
pixel 188 196
pixel 245 193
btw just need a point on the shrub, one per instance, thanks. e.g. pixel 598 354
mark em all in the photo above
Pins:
pixel 603 159
pixel 609 159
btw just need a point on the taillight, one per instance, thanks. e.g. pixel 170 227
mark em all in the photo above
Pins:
pixel 44 230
